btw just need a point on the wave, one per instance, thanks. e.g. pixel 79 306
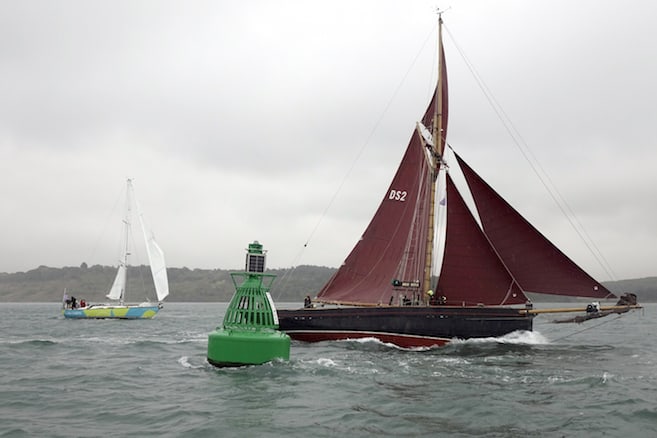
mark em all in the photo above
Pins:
pixel 520 337
pixel 371 341
pixel 135 341
pixel 184 361
pixel 29 342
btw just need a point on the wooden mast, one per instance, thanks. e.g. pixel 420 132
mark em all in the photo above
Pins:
pixel 437 152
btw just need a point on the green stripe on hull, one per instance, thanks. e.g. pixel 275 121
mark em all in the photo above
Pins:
pixel 112 312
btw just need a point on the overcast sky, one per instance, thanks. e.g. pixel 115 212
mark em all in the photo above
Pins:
pixel 284 122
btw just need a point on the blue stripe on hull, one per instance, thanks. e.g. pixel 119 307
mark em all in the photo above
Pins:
pixel 112 312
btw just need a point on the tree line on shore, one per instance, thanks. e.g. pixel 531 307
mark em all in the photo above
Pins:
pixel 45 284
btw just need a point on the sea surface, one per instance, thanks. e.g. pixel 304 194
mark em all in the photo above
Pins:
pixel 93 378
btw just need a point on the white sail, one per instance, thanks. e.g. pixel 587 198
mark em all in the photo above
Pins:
pixel 155 257
pixel 118 287
pixel 440 226
pixel 158 266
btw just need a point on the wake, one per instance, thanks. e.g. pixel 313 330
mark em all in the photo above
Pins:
pixel 520 337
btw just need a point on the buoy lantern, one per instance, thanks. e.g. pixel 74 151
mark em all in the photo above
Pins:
pixel 249 335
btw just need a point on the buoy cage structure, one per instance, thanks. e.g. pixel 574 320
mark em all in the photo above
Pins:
pixel 249 335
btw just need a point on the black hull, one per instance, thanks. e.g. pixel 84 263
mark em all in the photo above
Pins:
pixel 406 327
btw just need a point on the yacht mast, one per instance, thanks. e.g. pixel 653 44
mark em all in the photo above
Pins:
pixel 126 229
pixel 438 129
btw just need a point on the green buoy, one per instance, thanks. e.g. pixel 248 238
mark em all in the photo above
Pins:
pixel 249 334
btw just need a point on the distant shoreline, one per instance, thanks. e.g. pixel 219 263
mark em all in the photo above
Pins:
pixel 47 285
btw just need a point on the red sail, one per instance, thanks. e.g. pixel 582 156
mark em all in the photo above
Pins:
pixel 472 273
pixel 443 111
pixel 534 261
pixel 393 245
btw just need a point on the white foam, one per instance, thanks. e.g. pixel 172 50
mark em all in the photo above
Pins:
pixel 325 362
pixel 606 376
pixel 184 361
pixel 520 337
pixel 386 344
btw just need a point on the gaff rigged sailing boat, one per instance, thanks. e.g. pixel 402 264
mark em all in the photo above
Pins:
pixel 488 257
pixel 122 310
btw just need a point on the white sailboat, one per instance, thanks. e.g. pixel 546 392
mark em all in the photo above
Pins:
pixel 119 309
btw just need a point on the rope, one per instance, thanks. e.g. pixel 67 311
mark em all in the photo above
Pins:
pixel 367 141
pixel 110 218
pixel 534 164
pixel 364 146
pixel 588 328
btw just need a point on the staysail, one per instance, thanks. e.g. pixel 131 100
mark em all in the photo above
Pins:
pixel 471 272
pixel 537 264
pixel 118 287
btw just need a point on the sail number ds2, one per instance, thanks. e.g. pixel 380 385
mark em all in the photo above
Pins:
pixel 397 195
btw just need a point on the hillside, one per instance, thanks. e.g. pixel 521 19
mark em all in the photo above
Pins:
pixel 644 288
pixel 45 284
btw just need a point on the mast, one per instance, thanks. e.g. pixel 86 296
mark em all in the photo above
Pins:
pixel 126 225
pixel 438 128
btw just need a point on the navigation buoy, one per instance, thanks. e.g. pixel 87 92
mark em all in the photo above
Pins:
pixel 249 335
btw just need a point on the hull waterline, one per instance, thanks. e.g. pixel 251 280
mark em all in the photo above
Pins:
pixel 113 312
pixel 406 327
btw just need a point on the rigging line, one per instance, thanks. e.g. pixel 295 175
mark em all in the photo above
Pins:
pixel 535 165
pixel 278 288
pixel 136 267
pixel 362 149
pixel 110 217
pixel 588 328
pixel 369 138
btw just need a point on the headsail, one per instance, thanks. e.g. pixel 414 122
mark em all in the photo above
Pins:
pixel 155 255
pixel 158 267
pixel 472 273
pixel 118 287
pixel 537 264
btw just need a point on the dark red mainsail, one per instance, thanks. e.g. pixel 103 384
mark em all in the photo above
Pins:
pixel 536 264
pixel 394 243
